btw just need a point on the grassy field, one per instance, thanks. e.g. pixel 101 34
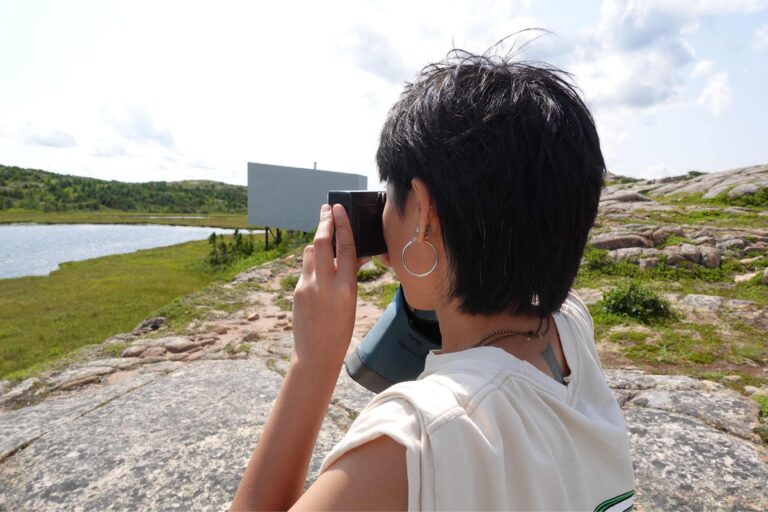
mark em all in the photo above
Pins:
pixel 43 318
pixel 223 220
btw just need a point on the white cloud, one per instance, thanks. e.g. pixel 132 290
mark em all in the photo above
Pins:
pixel 702 68
pixel 696 8
pixel 761 37
pixel 691 27
pixel 110 151
pixel 716 95
pixel 634 80
pixel 198 95
pixel 636 56
pixel 51 139
pixel 136 125
pixel 156 95
pixel 716 7
pixel 374 53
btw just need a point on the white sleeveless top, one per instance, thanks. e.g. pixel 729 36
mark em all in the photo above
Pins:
pixel 484 430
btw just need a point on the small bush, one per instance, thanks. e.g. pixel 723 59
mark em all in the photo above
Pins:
pixel 365 275
pixel 636 301
pixel 289 281
pixel 382 294
pixel 763 401
pixel 596 259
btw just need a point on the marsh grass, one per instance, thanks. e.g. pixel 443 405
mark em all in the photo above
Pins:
pixel 45 318
pixel 222 220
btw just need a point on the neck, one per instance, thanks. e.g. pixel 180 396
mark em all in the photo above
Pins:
pixel 460 331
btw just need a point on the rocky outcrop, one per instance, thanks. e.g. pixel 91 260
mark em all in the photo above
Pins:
pixel 172 423
pixel 734 182
pixel 181 438
pixel 14 393
pixel 158 441
pixel 646 244
pixel 149 325
pixel 627 199
pixel 745 311
pixel 618 240
pixel 624 196
pixel 693 442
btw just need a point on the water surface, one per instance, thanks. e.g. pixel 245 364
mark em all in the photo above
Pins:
pixel 38 249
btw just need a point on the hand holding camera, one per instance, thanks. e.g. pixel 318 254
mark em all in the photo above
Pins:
pixel 325 297
pixel 364 209
pixel 395 349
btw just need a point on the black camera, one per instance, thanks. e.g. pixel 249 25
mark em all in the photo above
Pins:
pixel 364 209
pixel 396 347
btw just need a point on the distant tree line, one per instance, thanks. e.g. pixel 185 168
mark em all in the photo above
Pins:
pixel 32 189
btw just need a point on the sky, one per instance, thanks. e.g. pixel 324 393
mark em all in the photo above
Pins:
pixel 164 90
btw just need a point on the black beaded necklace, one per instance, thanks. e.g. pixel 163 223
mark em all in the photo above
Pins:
pixel 503 333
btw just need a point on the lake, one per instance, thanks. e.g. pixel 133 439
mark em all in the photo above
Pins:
pixel 38 249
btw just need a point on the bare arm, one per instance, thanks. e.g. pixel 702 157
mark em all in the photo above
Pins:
pixel 274 478
pixel 324 313
pixel 370 477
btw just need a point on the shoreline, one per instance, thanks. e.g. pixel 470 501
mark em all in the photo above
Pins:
pixel 127 249
pixel 218 219
pixel 43 318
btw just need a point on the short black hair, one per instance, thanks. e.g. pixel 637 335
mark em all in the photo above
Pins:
pixel 511 156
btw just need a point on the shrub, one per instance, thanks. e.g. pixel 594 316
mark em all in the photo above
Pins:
pixel 595 259
pixel 381 295
pixel 763 402
pixel 636 301
pixel 369 274
pixel 289 281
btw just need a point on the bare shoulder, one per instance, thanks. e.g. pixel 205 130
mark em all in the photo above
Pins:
pixel 372 476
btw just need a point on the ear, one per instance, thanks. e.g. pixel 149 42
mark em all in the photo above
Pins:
pixel 427 215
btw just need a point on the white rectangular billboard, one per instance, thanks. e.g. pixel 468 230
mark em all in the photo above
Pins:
pixel 290 197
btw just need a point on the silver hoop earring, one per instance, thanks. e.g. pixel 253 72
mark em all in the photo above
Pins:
pixel 411 242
